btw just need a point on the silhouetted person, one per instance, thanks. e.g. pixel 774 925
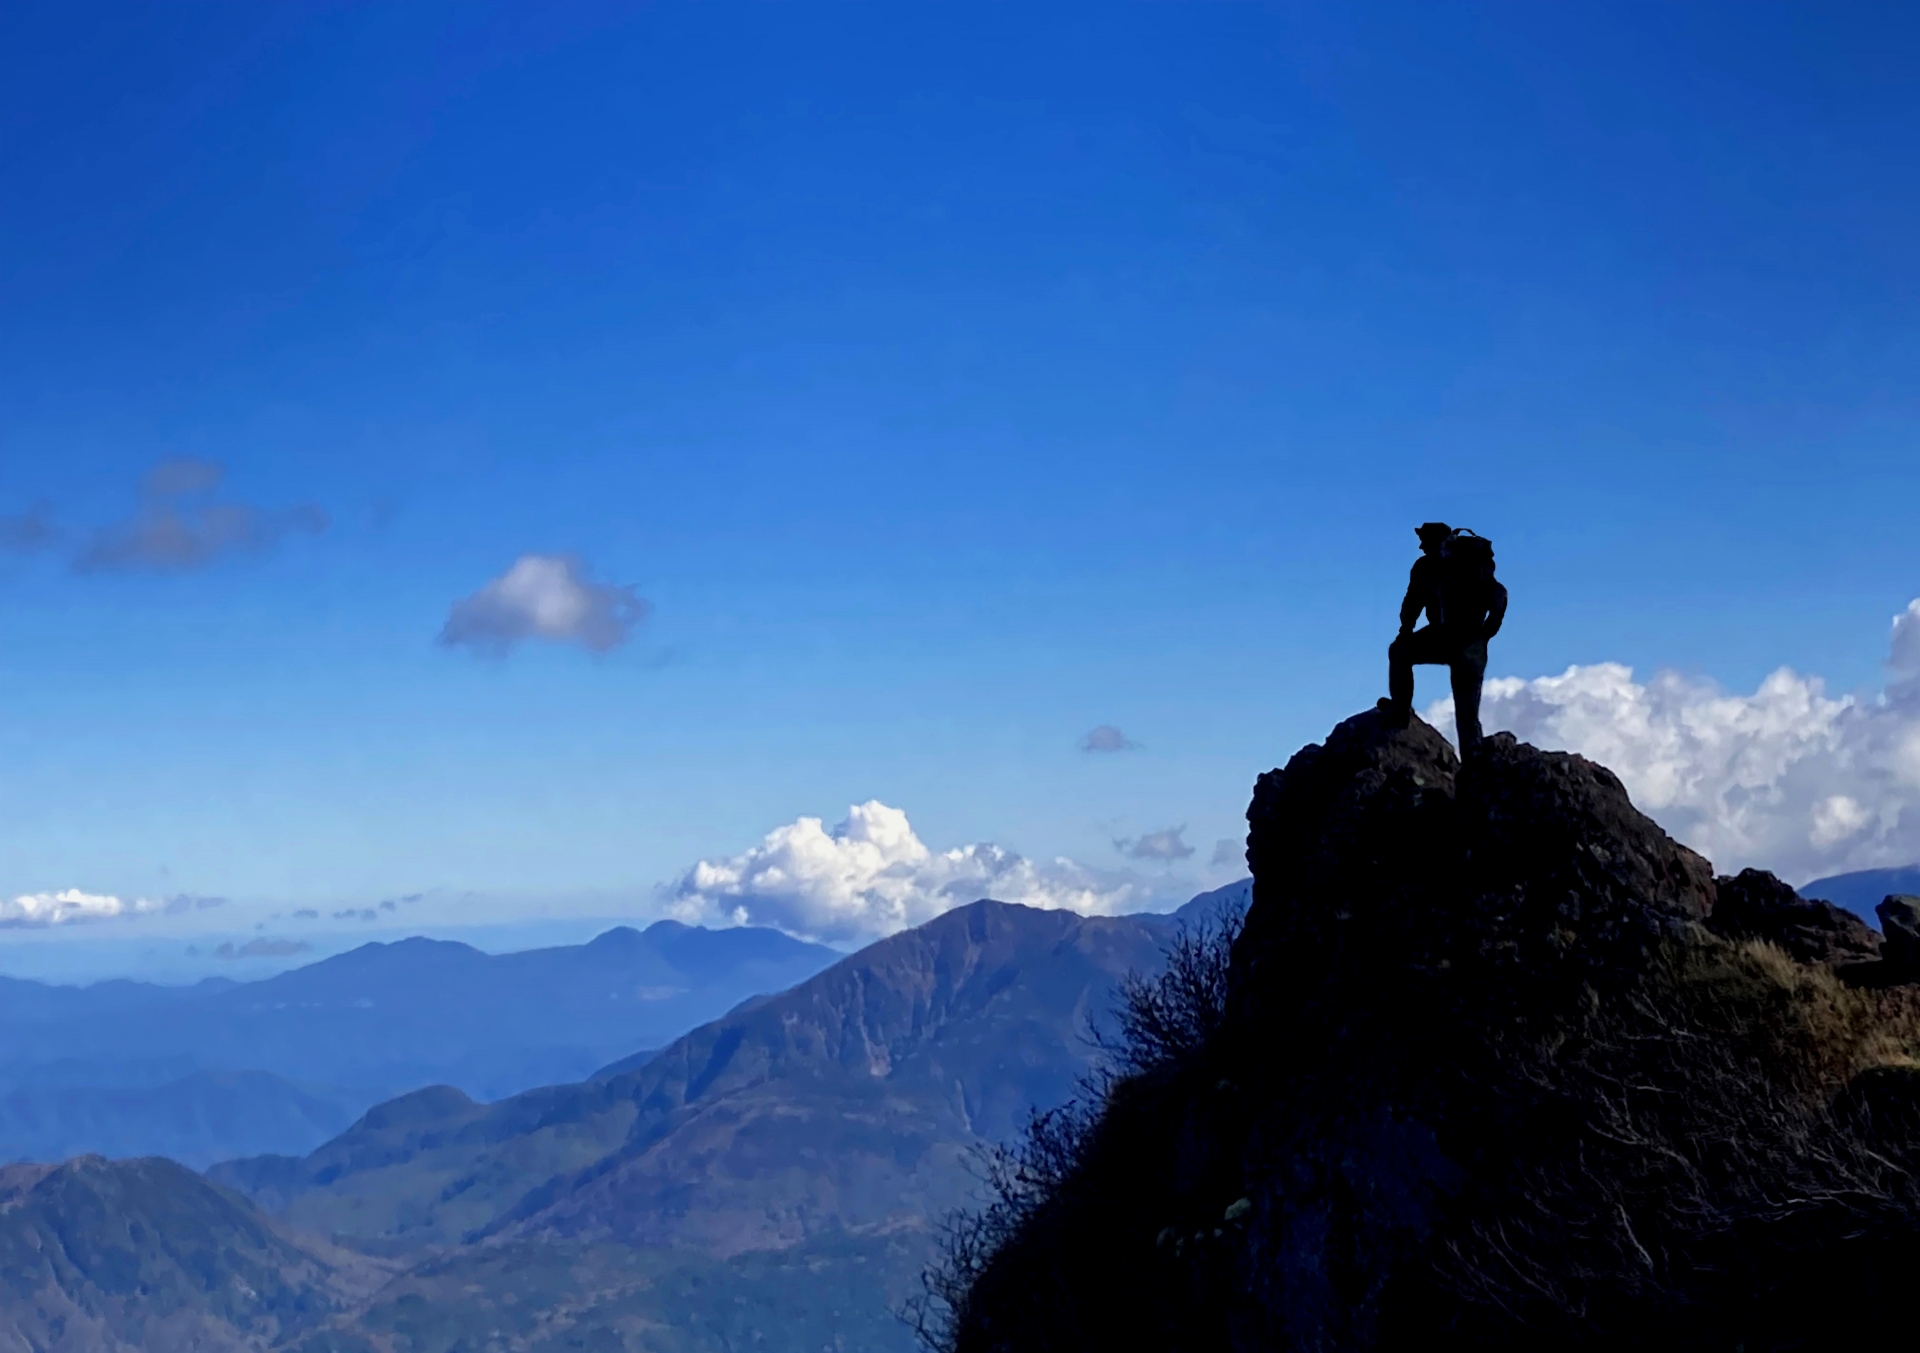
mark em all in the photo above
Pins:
pixel 1453 582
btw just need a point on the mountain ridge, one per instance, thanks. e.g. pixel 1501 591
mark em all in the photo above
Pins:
pixel 899 1048
pixel 1861 890
pixel 1494 1063
pixel 134 1069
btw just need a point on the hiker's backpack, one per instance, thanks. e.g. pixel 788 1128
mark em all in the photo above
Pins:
pixel 1466 581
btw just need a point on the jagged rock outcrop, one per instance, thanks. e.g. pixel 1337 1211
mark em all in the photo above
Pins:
pixel 1754 904
pixel 1900 914
pixel 1500 1065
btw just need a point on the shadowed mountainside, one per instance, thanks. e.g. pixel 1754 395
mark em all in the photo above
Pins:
pixel 1495 1064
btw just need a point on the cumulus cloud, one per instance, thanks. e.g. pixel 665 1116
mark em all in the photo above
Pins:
pixel 1789 778
pixel 544 596
pixel 39 910
pixel 872 875
pixel 1160 845
pixel 1228 850
pixel 178 526
pixel 1107 738
pixel 262 948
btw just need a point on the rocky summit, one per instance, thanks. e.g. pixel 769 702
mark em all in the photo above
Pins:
pixel 1495 1063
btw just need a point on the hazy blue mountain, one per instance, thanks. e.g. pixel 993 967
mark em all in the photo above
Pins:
pixel 365 1025
pixel 773 1179
pixel 24 1002
pixel 1864 889
pixel 1211 909
pixel 850 1100
pixel 198 1119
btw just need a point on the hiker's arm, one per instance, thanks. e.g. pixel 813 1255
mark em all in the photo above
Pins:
pixel 1497 613
pixel 1416 599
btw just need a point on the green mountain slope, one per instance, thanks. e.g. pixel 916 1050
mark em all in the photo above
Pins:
pixel 102 1256
pixel 834 1292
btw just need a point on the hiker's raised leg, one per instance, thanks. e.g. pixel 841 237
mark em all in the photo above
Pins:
pixel 1469 670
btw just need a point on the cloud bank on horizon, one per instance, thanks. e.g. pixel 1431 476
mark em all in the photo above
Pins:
pixel 1789 778
pixel 872 876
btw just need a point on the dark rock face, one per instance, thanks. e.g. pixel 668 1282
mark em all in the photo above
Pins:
pixel 1402 904
pixel 1755 905
pixel 1485 1078
pixel 1900 915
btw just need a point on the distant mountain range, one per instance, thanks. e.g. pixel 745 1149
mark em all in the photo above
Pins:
pixel 196 1119
pixel 772 1179
pixel 206 1072
pixel 846 1102
pixel 1863 890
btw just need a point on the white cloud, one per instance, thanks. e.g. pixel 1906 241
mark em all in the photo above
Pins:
pixel 37 910
pixel 544 596
pixel 871 876
pixel 1789 778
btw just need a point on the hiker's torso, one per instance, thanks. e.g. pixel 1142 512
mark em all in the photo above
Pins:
pixel 1457 602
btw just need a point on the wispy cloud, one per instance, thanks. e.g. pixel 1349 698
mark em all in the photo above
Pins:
pixel 1161 845
pixel 1228 850
pixel 262 948
pixel 1107 738
pixel 547 597
pixel 357 914
pixel 182 903
pixel 178 525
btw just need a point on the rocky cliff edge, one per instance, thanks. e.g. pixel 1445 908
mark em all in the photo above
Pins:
pixel 1498 1063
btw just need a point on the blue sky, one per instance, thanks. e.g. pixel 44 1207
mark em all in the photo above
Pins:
pixel 948 380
